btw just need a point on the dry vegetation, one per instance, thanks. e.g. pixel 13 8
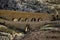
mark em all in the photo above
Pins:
pixel 16 14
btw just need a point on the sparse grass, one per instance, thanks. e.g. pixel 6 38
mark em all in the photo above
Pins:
pixel 6 30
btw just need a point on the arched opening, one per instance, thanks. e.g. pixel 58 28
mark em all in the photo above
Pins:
pixel 26 20
pixel 33 20
pixel 47 0
pixel 27 28
pixel 22 20
pixel 40 19
pixel 53 17
pixel 19 19
pixel 14 19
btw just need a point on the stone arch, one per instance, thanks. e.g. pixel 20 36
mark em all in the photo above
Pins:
pixel 14 19
pixel 26 19
pixel 22 20
pixel 27 28
pixel 33 20
pixel 19 19
pixel 53 16
pixel 40 19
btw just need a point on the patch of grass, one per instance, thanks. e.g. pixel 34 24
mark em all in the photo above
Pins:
pixel 2 29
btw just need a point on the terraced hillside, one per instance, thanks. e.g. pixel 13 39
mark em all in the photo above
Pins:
pixel 21 19
pixel 9 15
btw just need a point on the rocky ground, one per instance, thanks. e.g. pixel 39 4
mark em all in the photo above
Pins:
pixel 47 32
pixel 22 5
pixel 44 34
